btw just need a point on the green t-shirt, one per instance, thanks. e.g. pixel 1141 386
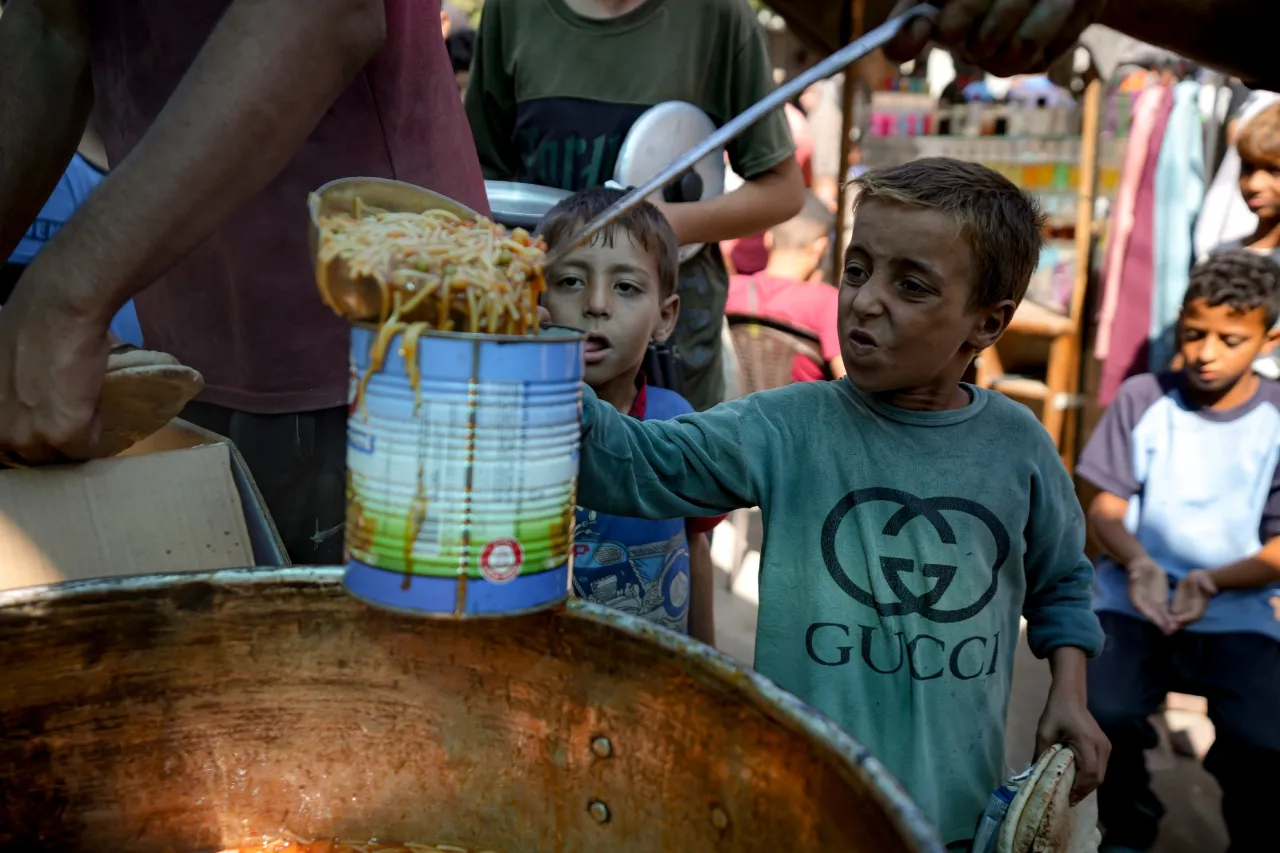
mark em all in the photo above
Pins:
pixel 553 94
pixel 900 548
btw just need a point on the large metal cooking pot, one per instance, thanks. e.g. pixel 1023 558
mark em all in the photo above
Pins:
pixel 187 712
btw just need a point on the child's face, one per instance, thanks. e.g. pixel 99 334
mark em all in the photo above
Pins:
pixel 614 293
pixel 906 325
pixel 1260 186
pixel 1218 344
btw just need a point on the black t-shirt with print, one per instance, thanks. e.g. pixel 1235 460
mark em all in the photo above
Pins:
pixel 553 94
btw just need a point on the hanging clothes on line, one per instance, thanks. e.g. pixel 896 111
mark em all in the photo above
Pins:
pixel 1225 218
pixel 1179 196
pixel 1141 125
pixel 1130 322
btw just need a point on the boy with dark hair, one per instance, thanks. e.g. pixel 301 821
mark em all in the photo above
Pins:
pixel 784 288
pixel 621 289
pixel 909 518
pixel 557 84
pixel 1187 465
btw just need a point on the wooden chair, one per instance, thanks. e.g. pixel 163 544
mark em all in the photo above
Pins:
pixel 766 349
pixel 1059 336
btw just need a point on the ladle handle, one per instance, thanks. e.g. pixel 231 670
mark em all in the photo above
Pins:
pixel 828 67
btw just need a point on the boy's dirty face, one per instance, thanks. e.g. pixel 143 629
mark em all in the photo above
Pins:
pixel 611 289
pixel 1260 186
pixel 906 324
pixel 1219 343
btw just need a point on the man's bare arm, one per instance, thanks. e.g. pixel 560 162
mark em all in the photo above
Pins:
pixel 1231 36
pixel 262 81
pixel 1019 37
pixel 45 96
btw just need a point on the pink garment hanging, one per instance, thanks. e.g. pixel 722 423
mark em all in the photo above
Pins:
pixel 1130 327
pixel 1145 109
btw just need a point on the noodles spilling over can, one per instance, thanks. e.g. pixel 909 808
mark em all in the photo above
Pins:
pixel 437 269
pixel 434 271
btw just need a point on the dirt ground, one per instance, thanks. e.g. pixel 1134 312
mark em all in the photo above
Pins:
pixel 1192 824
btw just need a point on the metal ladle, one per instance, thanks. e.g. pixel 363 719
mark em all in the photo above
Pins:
pixel 828 67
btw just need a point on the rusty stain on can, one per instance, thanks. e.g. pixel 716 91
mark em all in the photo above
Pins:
pixel 461 491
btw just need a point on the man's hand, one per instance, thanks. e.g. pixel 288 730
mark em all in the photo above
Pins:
pixel 1191 598
pixel 52 360
pixel 1004 37
pixel 1149 592
pixel 1066 720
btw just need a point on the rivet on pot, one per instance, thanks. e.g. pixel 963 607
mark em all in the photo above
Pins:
pixel 719 819
pixel 599 811
pixel 601 747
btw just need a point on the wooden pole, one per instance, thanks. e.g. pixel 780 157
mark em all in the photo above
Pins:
pixel 1062 410
pixel 857 25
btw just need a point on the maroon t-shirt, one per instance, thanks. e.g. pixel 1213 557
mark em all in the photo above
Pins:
pixel 242 308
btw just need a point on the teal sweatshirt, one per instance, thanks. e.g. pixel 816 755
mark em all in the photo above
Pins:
pixel 900 548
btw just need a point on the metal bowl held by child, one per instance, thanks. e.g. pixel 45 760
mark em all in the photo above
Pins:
pixel 191 713
pixel 462 465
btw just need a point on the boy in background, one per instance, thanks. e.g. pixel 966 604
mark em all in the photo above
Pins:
pixel 621 289
pixel 1259 149
pixel 785 287
pixel 909 519
pixel 1258 146
pixel 1187 465
pixel 557 84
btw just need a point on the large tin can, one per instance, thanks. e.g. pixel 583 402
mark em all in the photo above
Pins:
pixel 461 492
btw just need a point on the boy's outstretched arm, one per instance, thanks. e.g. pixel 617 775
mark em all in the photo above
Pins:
pixel 694 465
pixel 1061 624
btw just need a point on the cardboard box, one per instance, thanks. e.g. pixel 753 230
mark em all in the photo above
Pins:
pixel 181 500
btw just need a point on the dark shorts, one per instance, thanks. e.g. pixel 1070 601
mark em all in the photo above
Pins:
pixel 299 463
pixel 1239 675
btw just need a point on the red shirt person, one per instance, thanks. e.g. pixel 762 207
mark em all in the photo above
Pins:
pixel 778 279
pixel 218 117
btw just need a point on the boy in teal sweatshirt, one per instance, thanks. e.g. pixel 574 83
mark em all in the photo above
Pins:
pixel 909 518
